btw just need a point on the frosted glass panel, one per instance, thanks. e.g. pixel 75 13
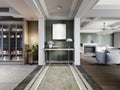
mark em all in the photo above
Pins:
pixel 59 31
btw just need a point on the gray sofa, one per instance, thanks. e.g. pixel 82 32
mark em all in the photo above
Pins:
pixel 100 57
pixel 108 56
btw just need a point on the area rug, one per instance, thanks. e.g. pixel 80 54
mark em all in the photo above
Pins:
pixel 58 77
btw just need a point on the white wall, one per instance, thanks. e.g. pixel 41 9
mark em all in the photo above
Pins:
pixel 41 35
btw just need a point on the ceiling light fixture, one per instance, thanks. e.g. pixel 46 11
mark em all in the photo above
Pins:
pixel 59 7
pixel 105 31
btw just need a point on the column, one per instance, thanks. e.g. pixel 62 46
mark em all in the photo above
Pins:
pixel 77 41
pixel 41 39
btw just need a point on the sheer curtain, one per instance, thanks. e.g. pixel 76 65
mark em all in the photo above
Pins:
pixel 117 39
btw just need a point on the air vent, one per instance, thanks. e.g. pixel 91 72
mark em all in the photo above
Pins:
pixel 4 9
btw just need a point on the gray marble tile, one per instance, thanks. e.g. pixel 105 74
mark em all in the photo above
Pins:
pixel 24 83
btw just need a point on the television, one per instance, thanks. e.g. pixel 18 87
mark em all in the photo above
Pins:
pixel 59 31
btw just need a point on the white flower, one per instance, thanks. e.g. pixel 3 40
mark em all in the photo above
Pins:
pixel 50 42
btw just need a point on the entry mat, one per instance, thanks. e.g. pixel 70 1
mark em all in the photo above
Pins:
pixel 58 77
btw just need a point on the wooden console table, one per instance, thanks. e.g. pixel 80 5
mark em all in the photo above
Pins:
pixel 59 49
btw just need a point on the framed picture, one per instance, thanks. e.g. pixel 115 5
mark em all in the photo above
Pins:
pixel 59 31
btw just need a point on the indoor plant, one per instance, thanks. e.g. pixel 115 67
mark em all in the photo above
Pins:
pixel 29 50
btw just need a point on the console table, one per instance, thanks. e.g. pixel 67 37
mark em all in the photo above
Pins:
pixel 59 49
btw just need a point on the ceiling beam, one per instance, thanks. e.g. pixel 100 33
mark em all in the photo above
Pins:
pixel 74 3
pixel 115 24
pixel 103 13
pixel 33 6
pixel 85 6
pixel 91 21
pixel 90 31
pixel 44 7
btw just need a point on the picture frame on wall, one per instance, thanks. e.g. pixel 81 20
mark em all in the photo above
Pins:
pixel 59 31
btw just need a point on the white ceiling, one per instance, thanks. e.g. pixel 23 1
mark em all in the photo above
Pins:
pixel 68 8
pixel 104 11
pixel 3 4
pixel 93 13
pixel 19 9
pixel 34 9
pixel 53 5
pixel 108 2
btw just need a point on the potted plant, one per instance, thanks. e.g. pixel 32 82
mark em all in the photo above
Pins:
pixel 29 50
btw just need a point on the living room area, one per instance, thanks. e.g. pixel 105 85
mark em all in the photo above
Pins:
pixel 88 46
pixel 98 39
pixel 100 52
pixel 100 42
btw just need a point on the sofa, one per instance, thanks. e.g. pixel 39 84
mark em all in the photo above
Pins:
pixel 107 55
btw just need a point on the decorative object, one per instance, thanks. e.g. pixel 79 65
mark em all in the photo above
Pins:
pixel 59 32
pixel 69 40
pixel 50 44
pixel 105 31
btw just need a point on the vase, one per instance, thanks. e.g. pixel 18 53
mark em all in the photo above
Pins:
pixel 50 45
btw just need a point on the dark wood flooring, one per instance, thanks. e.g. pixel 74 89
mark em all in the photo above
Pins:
pixel 107 76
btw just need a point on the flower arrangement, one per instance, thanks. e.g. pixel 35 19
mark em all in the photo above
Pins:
pixel 50 42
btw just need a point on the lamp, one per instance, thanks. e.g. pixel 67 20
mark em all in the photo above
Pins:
pixel 105 31
pixel 69 40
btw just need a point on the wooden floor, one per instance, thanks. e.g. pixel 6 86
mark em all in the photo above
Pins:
pixel 107 76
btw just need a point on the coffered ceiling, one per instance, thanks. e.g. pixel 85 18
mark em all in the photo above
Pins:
pixel 104 11
pixel 34 9
pixel 3 4
pixel 60 9
pixel 93 13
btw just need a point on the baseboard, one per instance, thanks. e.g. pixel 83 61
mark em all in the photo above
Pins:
pixel 11 62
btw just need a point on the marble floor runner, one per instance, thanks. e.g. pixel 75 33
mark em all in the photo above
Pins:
pixel 58 78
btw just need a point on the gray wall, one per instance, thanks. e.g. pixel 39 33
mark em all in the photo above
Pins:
pixel 101 40
pixel 69 32
pixel 59 55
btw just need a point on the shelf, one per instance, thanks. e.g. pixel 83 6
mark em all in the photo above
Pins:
pixel 11 39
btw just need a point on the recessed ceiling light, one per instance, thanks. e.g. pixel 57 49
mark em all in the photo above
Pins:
pixel 59 7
